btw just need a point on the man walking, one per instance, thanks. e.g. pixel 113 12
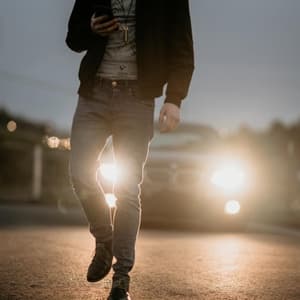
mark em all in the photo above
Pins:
pixel 133 48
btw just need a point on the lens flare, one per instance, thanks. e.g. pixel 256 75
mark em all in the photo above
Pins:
pixel 110 200
pixel 232 207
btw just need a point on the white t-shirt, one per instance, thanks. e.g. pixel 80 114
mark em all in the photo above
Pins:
pixel 119 61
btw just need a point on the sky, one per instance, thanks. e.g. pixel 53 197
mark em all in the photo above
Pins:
pixel 247 62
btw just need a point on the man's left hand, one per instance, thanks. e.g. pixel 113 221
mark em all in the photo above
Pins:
pixel 169 117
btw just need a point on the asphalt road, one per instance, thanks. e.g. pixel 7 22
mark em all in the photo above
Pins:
pixel 50 263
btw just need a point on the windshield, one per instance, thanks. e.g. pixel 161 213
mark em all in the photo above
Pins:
pixel 182 141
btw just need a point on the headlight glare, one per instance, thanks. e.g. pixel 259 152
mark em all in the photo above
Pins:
pixel 109 171
pixel 230 177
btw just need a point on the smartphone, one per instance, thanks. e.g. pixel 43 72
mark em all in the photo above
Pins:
pixel 102 10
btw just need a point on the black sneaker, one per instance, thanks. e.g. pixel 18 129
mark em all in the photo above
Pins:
pixel 101 262
pixel 119 290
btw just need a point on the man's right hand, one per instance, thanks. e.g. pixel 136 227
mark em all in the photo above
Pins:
pixel 99 26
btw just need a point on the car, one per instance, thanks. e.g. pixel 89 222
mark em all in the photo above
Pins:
pixel 189 180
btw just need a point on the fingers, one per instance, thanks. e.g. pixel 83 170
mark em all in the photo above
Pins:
pixel 108 29
pixel 161 116
pixel 167 121
pixel 104 28
pixel 95 20
pixel 99 18
pixel 104 25
pixel 162 120
pixel 171 124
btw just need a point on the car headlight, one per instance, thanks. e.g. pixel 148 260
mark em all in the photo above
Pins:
pixel 232 207
pixel 109 171
pixel 230 177
pixel 110 200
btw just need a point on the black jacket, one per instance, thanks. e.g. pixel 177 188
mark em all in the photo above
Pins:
pixel 164 45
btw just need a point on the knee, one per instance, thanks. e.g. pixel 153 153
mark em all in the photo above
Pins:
pixel 83 184
pixel 127 188
pixel 128 196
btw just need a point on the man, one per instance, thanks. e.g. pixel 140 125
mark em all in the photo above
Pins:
pixel 133 48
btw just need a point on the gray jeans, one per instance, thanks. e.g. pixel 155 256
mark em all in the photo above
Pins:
pixel 121 113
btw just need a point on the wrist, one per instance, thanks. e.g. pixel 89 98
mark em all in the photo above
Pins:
pixel 174 101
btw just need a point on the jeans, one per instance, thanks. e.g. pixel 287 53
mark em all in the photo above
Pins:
pixel 119 112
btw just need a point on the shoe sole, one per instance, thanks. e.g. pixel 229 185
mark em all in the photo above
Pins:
pixel 98 278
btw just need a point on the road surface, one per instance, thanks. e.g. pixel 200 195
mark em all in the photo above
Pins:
pixel 50 262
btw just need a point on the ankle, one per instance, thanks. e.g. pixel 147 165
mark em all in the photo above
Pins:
pixel 106 243
pixel 121 281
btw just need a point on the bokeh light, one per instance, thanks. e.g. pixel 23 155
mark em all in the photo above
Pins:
pixel 11 126
pixel 53 142
pixel 65 143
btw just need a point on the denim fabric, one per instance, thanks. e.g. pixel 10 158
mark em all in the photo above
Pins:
pixel 121 113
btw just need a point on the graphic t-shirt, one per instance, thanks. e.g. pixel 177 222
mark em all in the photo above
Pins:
pixel 119 61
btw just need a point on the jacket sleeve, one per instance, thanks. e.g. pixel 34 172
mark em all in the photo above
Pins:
pixel 79 35
pixel 180 51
